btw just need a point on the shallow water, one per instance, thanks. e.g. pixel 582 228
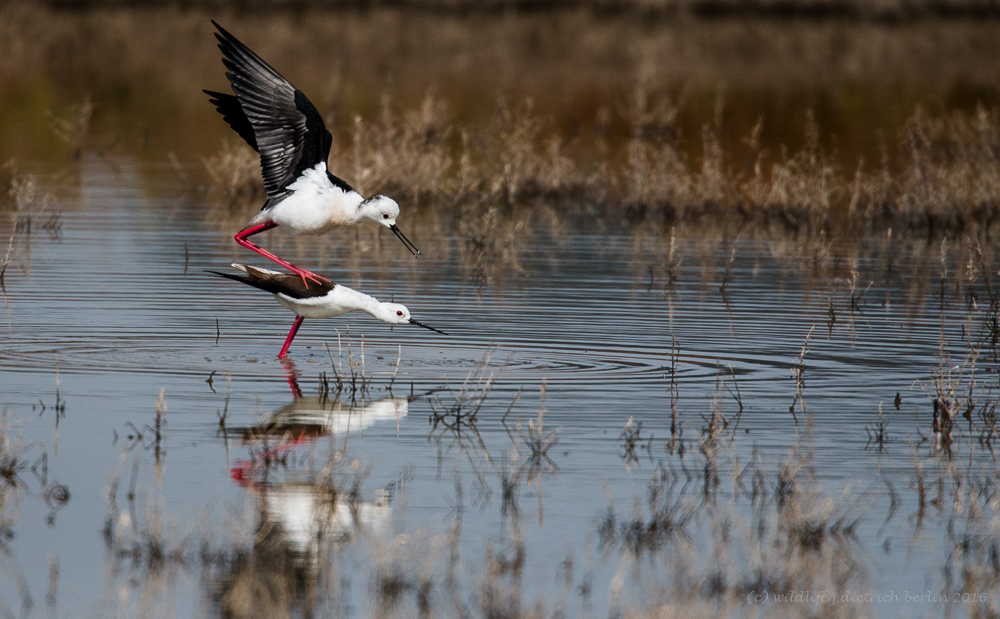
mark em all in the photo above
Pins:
pixel 114 306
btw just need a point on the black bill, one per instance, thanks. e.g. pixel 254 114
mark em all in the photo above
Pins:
pixel 420 324
pixel 410 246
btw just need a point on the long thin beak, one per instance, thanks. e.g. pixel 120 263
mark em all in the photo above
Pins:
pixel 420 324
pixel 410 246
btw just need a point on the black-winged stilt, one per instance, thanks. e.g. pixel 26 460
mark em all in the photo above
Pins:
pixel 309 299
pixel 280 123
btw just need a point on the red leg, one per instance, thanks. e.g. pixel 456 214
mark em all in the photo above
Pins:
pixel 241 238
pixel 291 336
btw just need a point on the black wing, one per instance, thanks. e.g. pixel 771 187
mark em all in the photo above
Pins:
pixel 278 283
pixel 289 132
pixel 232 113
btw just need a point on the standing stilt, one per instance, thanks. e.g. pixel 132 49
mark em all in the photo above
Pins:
pixel 291 336
pixel 318 301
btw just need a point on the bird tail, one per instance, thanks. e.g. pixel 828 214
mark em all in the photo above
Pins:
pixel 252 276
pixel 243 279
pixel 276 282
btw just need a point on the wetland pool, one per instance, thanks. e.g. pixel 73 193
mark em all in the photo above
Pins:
pixel 703 398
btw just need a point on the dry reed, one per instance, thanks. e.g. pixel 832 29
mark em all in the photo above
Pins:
pixel 950 183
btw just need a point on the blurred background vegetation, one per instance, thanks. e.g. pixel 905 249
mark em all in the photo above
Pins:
pixel 738 86
pixel 869 9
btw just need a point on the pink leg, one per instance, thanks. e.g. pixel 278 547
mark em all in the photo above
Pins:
pixel 291 336
pixel 241 238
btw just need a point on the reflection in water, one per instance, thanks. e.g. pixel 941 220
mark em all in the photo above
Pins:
pixel 318 416
pixel 296 502
pixel 301 520
pixel 24 472
pixel 309 417
pixel 613 343
pixel 306 419
pixel 303 512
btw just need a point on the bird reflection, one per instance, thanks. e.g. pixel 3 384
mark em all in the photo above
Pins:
pixel 311 417
pixel 301 504
pixel 304 507
pixel 302 519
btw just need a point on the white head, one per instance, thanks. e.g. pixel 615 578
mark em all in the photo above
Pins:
pixel 379 209
pixel 384 210
pixel 396 314
pixel 393 313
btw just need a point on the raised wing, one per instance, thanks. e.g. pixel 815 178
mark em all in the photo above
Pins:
pixel 232 113
pixel 277 283
pixel 288 131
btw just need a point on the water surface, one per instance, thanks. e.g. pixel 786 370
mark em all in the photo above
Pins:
pixel 114 305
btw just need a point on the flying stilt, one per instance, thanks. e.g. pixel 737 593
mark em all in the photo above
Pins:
pixel 309 299
pixel 280 123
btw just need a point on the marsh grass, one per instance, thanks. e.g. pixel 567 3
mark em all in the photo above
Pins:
pixel 356 381
pixel 72 128
pixel 777 531
pixel 235 173
pixel 950 180
pixel 676 120
pixel 793 534
pixel 24 474
pixel 492 234
pixel 710 528
pixel 878 433
pixel 662 124
pixel 28 207
pixel 631 439
pixel 12 465
pixel 489 187
pixel 461 410
pixel 963 402
pixel 799 375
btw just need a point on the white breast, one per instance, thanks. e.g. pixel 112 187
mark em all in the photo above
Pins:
pixel 338 301
pixel 315 307
pixel 316 204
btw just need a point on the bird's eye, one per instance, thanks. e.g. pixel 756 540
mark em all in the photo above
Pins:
pixel 399 313
pixel 385 215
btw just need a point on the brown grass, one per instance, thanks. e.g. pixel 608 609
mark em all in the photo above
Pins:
pixel 949 182
pixel 487 125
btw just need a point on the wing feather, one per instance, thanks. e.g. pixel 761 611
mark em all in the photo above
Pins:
pixel 232 113
pixel 289 133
